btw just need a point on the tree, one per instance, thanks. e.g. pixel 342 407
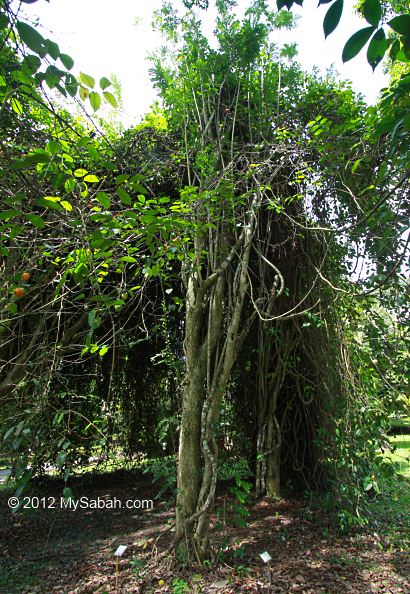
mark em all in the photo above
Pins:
pixel 253 154
pixel 258 187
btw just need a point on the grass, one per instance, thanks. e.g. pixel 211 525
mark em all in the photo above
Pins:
pixel 390 511
pixel 400 453
pixel 400 422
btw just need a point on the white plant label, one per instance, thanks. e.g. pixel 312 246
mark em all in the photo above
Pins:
pixel 120 551
pixel 265 557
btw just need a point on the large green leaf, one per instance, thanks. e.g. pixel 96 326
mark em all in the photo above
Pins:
pixel 32 38
pixel 105 83
pixel 104 199
pixel 6 215
pixel 124 196
pixel 394 50
pixel 95 100
pixel 52 49
pixel 53 76
pixel 33 63
pixel 372 11
pixel 16 106
pixel 36 220
pixel 356 42
pixel 332 17
pixel 4 21
pixel 377 48
pixel 87 80
pixel 35 157
pixel 91 178
pixel 109 97
pixel 71 85
pixel 67 61
pixel 282 3
pixel 401 24
pixel 53 147
pixel 83 93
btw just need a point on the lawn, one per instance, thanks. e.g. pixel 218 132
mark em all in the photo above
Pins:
pixel 400 453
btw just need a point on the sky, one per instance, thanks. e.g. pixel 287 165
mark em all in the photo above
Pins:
pixel 105 37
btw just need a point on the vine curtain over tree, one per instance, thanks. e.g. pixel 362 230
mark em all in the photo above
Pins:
pixel 235 220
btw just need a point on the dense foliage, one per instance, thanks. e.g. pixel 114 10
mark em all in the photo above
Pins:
pixel 228 278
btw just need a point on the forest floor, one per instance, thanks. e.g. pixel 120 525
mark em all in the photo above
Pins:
pixel 51 550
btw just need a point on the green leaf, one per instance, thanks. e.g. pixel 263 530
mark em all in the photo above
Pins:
pixel 356 42
pixel 104 199
pixel 4 21
pixel 61 459
pixel 71 85
pixel 67 61
pixel 124 196
pixel 91 318
pixel 33 63
pixel 83 93
pixel 356 165
pixel 87 80
pixel 84 141
pixel 36 220
pixel 105 83
pixel 52 49
pixel 139 188
pixel 332 17
pixel 95 100
pixel 121 178
pixel 69 184
pixel 66 205
pixel 16 106
pixel 400 24
pixel 68 493
pixel 129 259
pixel 12 307
pixel 109 97
pixel 103 350
pixel 372 11
pixel 34 158
pixel 48 204
pixel 401 57
pixel 53 76
pixel 54 147
pixel 394 50
pixel 92 179
pixel 377 48
pixel 80 172
pixel 385 125
pixel 6 215
pixel 32 38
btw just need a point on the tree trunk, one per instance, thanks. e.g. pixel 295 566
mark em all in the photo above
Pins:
pixel 211 347
pixel 270 381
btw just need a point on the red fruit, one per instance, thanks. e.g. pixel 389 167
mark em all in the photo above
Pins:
pixel 26 276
